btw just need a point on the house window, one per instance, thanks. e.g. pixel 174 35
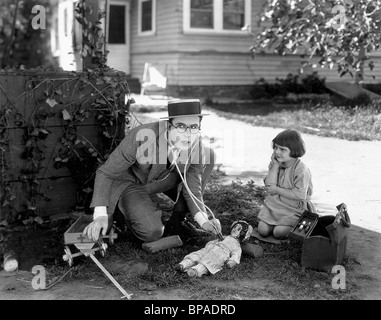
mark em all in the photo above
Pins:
pixel 201 14
pixel 234 14
pixel 117 24
pixel 147 17
pixel 216 16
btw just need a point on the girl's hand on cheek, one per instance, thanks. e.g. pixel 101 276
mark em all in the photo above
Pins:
pixel 274 161
pixel 273 158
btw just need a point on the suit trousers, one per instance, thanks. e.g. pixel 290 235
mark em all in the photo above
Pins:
pixel 140 212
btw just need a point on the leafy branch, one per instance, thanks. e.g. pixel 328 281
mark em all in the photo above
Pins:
pixel 329 33
pixel 97 96
pixel 93 39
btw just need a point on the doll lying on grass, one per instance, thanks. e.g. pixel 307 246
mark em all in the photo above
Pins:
pixel 213 257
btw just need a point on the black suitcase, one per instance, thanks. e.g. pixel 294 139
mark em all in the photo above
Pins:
pixel 324 238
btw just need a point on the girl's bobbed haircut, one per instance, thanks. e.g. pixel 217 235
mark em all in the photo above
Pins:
pixel 291 139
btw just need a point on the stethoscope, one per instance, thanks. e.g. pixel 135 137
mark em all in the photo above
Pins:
pixel 176 153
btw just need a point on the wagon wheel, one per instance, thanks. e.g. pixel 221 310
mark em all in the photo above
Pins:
pixel 102 248
pixel 111 236
pixel 68 256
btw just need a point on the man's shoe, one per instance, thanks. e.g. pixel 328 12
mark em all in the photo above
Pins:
pixel 183 226
pixel 192 230
pixel 179 267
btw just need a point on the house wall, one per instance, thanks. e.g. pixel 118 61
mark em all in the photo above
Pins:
pixel 187 59
pixel 160 49
pixel 191 60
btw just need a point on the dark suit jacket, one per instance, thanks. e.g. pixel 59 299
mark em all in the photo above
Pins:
pixel 141 158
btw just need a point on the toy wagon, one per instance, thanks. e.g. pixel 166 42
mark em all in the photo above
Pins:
pixel 74 236
pixel 87 247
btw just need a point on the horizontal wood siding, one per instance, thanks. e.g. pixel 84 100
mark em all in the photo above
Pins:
pixel 159 49
pixel 168 22
pixel 213 59
pixel 166 63
pixel 239 69
pixel 119 58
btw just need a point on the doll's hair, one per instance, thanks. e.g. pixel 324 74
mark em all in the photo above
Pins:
pixel 245 233
pixel 291 139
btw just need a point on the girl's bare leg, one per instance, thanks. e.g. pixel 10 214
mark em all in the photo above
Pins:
pixel 265 229
pixel 281 232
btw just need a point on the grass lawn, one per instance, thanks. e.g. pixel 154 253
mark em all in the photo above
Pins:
pixel 325 119
pixel 278 273
pixel 275 275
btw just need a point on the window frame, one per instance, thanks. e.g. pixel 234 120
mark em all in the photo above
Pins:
pixel 153 21
pixel 127 23
pixel 118 4
pixel 218 18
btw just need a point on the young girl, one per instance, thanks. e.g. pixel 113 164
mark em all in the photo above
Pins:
pixel 289 184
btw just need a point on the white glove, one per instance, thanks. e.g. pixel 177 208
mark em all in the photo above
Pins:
pixel 213 226
pixel 93 230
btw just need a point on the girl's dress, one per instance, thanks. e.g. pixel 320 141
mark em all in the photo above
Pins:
pixel 278 210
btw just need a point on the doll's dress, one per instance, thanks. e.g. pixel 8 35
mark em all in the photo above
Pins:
pixel 215 254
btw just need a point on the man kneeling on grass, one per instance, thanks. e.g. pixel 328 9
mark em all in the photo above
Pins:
pixel 160 157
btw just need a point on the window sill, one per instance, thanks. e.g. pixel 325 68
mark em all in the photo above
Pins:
pixel 216 32
pixel 146 34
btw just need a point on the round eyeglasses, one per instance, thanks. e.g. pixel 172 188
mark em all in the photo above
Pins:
pixel 181 128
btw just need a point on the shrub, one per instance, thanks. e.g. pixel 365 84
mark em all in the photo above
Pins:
pixel 313 84
pixel 291 84
pixel 374 87
pixel 362 99
pixel 265 90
